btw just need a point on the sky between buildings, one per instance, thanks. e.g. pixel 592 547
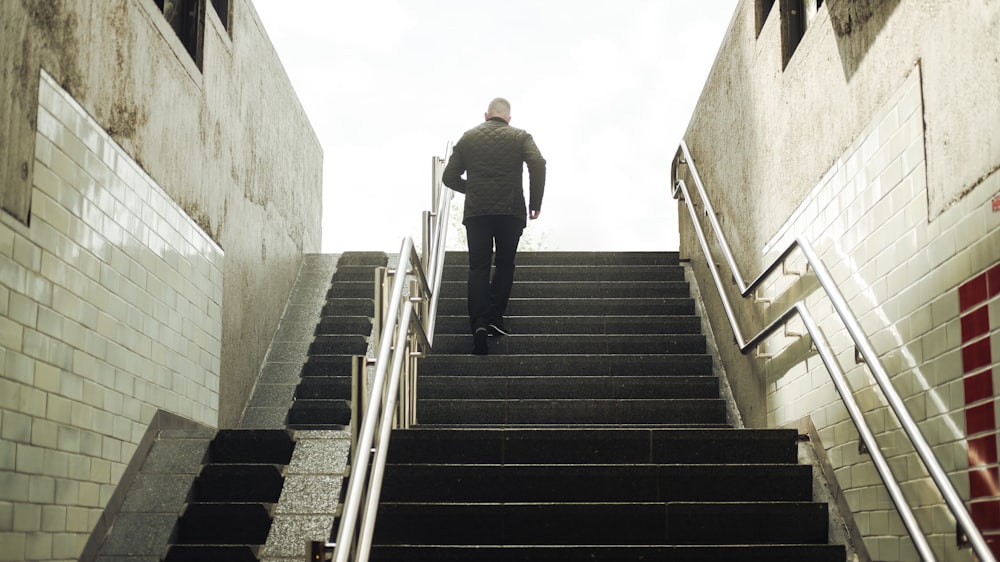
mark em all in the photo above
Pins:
pixel 606 88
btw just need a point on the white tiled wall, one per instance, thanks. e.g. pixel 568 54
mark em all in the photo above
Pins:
pixel 901 274
pixel 110 309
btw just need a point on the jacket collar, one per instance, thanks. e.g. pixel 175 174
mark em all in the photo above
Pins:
pixel 498 120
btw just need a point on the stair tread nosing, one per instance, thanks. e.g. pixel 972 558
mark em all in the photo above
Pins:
pixel 582 324
pixel 586 344
pixel 579 522
pixel 598 386
pixel 584 411
pixel 611 553
pixel 569 364
pixel 593 445
pixel 596 482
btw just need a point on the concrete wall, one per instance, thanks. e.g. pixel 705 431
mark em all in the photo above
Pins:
pixel 156 212
pixel 874 143
pixel 229 143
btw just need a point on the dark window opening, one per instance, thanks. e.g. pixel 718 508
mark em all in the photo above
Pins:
pixel 796 17
pixel 185 17
pixel 763 10
pixel 222 10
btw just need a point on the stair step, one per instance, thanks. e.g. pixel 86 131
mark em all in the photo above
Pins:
pixel 579 343
pixel 319 414
pixel 601 387
pixel 578 258
pixel 355 273
pixel 747 523
pixel 263 446
pixel 514 523
pixel 323 388
pixel 647 523
pixel 596 483
pixel 239 483
pixel 588 411
pixel 362 289
pixel 367 259
pixel 581 307
pixel 344 325
pixel 562 365
pixel 597 446
pixel 211 553
pixel 570 273
pixel 610 553
pixel 339 345
pixel 224 523
pixel 328 366
pixel 582 289
pixel 348 307
pixel 527 325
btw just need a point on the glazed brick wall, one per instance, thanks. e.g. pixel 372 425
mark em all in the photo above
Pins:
pixel 901 274
pixel 110 309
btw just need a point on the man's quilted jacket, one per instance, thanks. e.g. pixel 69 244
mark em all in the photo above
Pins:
pixel 492 157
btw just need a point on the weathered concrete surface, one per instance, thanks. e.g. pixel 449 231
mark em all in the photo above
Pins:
pixel 228 141
pixel 763 135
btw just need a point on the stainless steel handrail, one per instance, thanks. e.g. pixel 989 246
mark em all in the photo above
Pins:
pixel 408 327
pixel 435 234
pixel 926 455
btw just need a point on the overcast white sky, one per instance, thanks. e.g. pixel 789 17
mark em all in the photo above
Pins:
pixel 605 87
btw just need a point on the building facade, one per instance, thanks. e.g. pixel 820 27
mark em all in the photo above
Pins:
pixel 160 185
pixel 869 129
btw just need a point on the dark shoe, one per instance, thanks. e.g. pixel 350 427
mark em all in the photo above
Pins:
pixel 480 342
pixel 498 329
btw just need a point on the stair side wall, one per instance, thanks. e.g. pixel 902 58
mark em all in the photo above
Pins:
pixel 846 146
pixel 170 207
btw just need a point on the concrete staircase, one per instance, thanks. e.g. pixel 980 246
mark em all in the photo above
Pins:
pixel 212 495
pixel 322 397
pixel 595 431
pixel 229 510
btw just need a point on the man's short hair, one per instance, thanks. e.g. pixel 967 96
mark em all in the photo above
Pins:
pixel 499 107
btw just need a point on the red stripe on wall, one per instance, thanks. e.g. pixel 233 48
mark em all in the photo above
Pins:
pixel 976 355
pixel 993 281
pixel 978 387
pixel 976 323
pixel 982 451
pixel 983 482
pixel 980 418
pixel 984 476
pixel 972 292
pixel 986 514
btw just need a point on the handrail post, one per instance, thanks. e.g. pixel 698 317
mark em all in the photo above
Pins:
pixel 359 395
pixel 427 234
pixel 318 549
pixel 379 296
pixel 412 396
pixel 436 163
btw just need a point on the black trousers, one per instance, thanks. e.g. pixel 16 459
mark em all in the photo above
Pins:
pixel 488 295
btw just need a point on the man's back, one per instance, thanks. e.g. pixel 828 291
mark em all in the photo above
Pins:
pixel 492 155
